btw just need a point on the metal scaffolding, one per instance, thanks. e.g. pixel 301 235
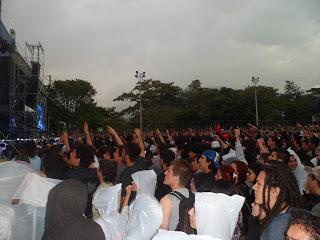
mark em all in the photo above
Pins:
pixel 26 91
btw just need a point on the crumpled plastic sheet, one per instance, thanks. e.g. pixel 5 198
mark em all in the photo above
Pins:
pixel 146 182
pixel 145 218
pixel 19 181
pixel 6 219
pixel 107 202
pixel 217 214
pixel 34 190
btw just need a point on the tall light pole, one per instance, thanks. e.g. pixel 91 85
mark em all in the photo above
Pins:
pixel 255 80
pixel 140 76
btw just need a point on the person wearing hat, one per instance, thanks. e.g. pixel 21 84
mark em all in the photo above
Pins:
pixel 313 183
pixel 209 162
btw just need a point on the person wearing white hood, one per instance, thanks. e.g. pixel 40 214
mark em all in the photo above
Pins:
pixel 107 202
pixel 214 216
pixel 145 213
pixel 297 169
pixel 141 220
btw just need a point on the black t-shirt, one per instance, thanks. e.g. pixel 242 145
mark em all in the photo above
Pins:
pixel 88 176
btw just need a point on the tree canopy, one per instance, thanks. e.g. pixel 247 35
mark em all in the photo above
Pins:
pixel 166 105
pixel 75 99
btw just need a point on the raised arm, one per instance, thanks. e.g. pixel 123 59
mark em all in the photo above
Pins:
pixel 114 135
pixel 222 143
pixel 157 131
pixel 262 146
pixel 65 139
pixel 129 189
pixel 87 134
pixel 140 142
pixel 169 136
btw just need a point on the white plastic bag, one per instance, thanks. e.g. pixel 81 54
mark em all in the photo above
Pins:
pixel 217 214
pixel 11 177
pixel 15 180
pixel 6 220
pixel 34 190
pixel 107 200
pixel 145 218
pixel 146 182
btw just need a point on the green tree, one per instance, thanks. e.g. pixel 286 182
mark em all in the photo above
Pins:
pixel 72 102
pixel 154 93
pixel 71 94
pixel 292 90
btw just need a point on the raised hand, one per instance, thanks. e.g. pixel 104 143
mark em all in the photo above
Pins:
pixel 86 128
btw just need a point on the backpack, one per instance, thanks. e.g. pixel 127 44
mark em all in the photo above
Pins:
pixel 184 206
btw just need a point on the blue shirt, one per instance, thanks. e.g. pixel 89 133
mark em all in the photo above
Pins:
pixel 277 227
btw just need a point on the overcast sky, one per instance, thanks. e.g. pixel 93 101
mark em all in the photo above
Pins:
pixel 220 42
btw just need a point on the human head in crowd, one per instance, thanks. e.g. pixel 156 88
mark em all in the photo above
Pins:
pixel 178 175
pixel 30 148
pixel 279 154
pixel 201 182
pixel 313 143
pixel 286 143
pixel 209 161
pixel 296 141
pixel 272 143
pixel 263 158
pixel 82 156
pixel 226 172
pixel 276 191
pixel 53 163
pixel 313 183
pixel 241 170
pixel 108 169
pixel 195 164
pixel 64 213
pixel 283 155
pixel 249 150
pixel 316 160
pixel 166 158
pixel 180 141
pixel 103 153
pixel 303 226
pixel 223 186
pixel 305 145
pixel 253 171
pixel 193 152
pixel 132 151
pixel 292 162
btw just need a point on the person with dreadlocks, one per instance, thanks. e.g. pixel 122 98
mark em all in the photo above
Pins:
pixel 276 193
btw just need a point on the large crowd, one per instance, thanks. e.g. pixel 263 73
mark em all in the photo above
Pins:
pixel 214 183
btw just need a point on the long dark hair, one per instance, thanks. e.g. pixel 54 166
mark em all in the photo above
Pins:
pixel 279 175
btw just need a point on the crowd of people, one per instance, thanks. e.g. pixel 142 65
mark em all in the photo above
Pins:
pixel 213 183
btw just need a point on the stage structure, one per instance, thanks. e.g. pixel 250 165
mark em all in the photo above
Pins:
pixel 23 96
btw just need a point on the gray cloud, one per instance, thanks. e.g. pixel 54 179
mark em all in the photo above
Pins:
pixel 221 42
